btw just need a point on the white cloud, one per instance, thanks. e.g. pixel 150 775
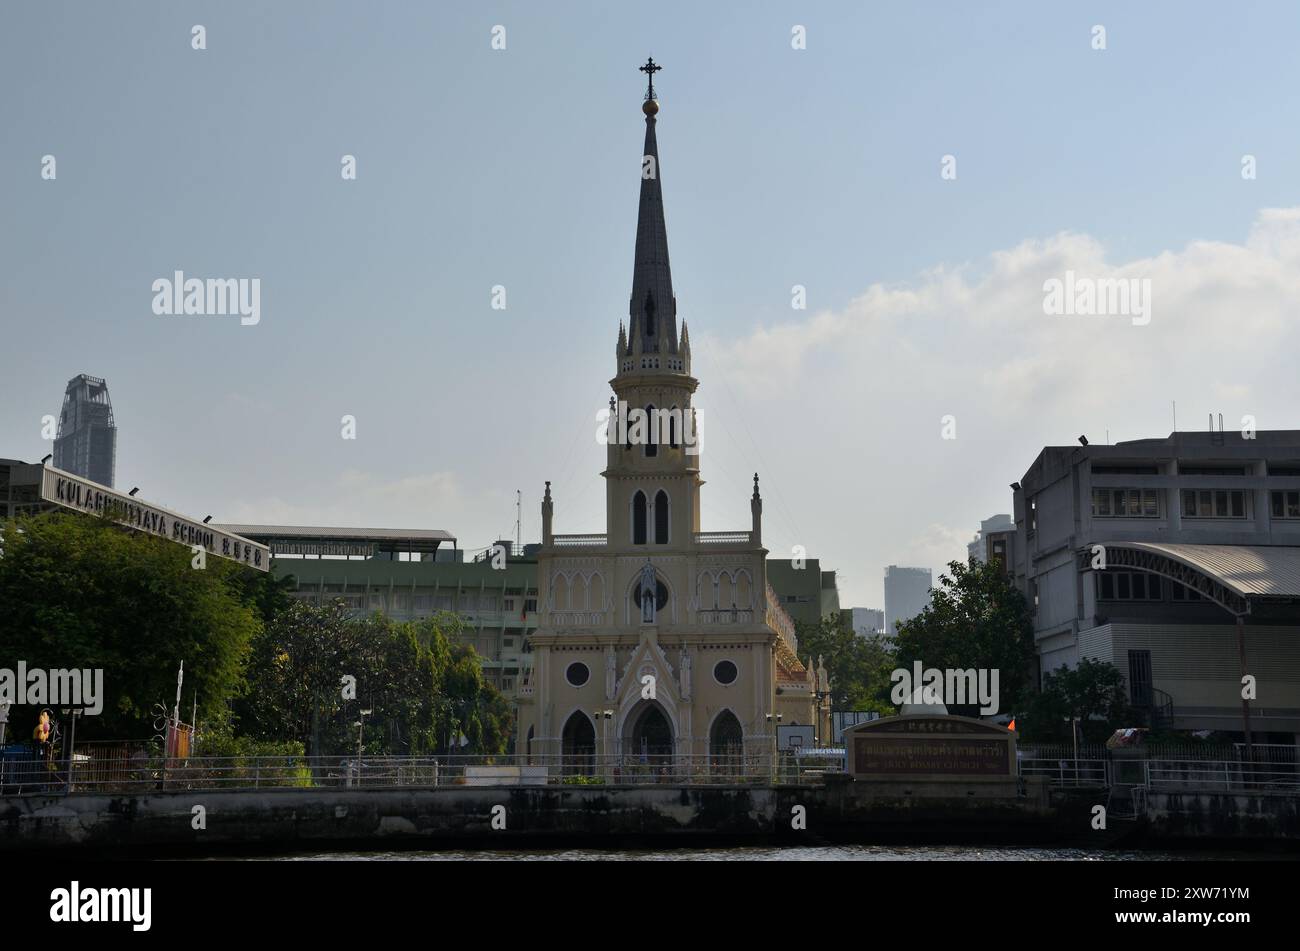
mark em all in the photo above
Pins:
pixel 874 378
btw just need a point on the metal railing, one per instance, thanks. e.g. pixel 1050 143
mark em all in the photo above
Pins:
pixel 722 538
pixel 1227 775
pixel 1067 772
pixel 112 769
pixel 145 773
pixel 579 541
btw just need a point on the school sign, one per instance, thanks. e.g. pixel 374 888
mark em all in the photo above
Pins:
pixel 65 490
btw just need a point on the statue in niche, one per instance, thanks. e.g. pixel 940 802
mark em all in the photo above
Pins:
pixel 648 593
pixel 684 666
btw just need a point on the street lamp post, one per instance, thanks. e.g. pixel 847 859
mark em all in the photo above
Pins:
pixel 72 713
pixel 1074 733
pixel 602 753
pixel 774 721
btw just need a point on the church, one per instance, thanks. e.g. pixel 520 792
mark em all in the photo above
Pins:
pixel 659 642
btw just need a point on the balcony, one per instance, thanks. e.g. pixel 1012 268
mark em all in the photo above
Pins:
pixel 579 541
pixel 722 538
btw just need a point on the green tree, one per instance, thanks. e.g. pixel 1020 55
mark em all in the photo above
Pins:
pixel 295 679
pixel 421 685
pixel 976 619
pixel 1093 692
pixel 81 592
pixel 858 667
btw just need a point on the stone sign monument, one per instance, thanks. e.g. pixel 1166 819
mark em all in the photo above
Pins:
pixel 934 755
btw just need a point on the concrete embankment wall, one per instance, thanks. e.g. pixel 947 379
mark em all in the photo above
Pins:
pixel 1270 816
pixel 619 817
pixel 447 816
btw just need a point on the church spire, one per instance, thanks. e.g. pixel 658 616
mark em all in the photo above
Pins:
pixel 652 309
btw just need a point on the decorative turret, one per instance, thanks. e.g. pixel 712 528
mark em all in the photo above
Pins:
pixel 548 511
pixel 756 510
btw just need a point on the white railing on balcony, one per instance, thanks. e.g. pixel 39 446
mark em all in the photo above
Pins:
pixel 722 538
pixel 779 621
pixel 580 541
pixel 725 616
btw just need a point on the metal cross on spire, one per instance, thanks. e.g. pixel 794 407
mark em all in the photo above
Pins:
pixel 650 68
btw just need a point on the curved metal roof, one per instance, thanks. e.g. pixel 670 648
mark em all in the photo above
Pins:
pixel 1270 571
pixel 1236 577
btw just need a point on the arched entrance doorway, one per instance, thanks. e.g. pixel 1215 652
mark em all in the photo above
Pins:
pixel 578 745
pixel 648 744
pixel 726 745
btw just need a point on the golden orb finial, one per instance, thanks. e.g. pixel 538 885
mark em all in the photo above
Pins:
pixel 650 107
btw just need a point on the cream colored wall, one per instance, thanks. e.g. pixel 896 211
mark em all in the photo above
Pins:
pixel 698 619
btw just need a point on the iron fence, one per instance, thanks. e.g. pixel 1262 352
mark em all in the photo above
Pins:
pixel 112 768
pixel 1067 772
pixel 1225 775
pixel 140 771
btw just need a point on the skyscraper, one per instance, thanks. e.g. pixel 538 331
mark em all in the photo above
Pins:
pixel 907 594
pixel 86 443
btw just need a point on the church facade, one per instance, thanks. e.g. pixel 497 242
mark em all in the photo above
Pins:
pixel 659 641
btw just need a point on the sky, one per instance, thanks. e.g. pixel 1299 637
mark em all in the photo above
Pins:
pixel 921 170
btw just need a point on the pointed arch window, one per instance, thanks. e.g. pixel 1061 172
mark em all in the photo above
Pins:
pixel 652 432
pixel 638 518
pixel 673 415
pixel 661 517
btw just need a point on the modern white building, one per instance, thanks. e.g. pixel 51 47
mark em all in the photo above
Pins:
pixel 1178 561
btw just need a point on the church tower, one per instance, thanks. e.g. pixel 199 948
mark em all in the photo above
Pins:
pixel 652 472
pixel 658 643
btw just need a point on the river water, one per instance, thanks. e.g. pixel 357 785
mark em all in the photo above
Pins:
pixel 829 853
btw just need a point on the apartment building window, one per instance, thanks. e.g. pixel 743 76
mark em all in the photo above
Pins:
pixel 1125 470
pixel 1212 470
pixel 1125 503
pixel 1128 586
pixel 1286 504
pixel 1215 503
